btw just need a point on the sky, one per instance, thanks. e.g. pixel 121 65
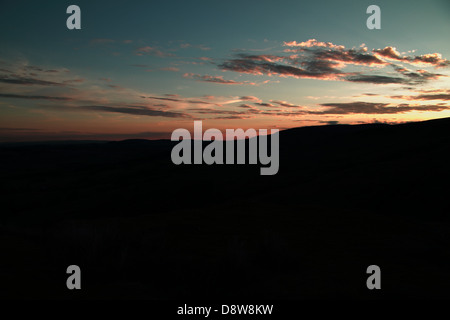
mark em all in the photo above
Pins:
pixel 141 69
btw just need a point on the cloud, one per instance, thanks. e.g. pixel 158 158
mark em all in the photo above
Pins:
pixel 38 69
pixel 312 43
pixel 418 76
pixel 441 96
pixel 375 79
pixel 257 67
pixel 136 110
pixel 18 129
pixel 214 111
pixel 231 117
pixel 132 110
pixel 250 98
pixel 165 98
pixel 197 102
pixel 285 104
pixel 242 110
pixel 43 135
pixel 433 59
pixel 431 95
pixel 262 104
pixel 350 56
pixel 330 52
pixel 330 122
pixel 147 50
pixel 34 97
pixel 73 81
pixel 213 79
pixel 186 45
pixel 116 87
pixel 322 66
pixel 22 74
pixel 29 81
pixel 374 108
pixel 176 98
pixel 390 53
pixel 325 61
pixel 249 108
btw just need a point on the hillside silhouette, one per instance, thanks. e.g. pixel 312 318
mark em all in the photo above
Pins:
pixel 345 197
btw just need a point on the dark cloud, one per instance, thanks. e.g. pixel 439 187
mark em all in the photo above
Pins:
pixel 426 96
pixel 442 96
pixel 207 78
pixel 73 81
pixel 322 69
pixel 39 69
pixel 231 117
pixel 262 104
pixel 283 113
pixel 174 99
pixel 351 56
pixel 325 61
pixel 433 59
pixel 165 99
pixel 41 135
pixel 286 104
pixel 321 66
pixel 376 79
pixel 29 81
pixel 271 68
pixel 330 122
pixel 374 108
pixel 390 53
pixel 114 86
pixel 249 108
pixel 249 98
pixel 147 50
pixel 214 111
pixel 326 51
pixel 19 129
pixel 198 102
pixel 34 97
pixel 417 77
pixel 136 110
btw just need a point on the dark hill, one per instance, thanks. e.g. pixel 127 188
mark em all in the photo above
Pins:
pixel 345 197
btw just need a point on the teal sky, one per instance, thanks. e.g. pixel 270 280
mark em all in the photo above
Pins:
pixel 145 68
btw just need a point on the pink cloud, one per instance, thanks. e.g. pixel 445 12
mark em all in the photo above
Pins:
pixel 312 43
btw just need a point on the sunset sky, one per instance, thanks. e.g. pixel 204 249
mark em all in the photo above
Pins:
pixel 140 69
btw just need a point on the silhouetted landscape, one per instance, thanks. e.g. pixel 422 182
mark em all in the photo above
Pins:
pixel 345 197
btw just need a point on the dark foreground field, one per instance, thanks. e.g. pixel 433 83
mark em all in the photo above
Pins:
pixel 345 197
